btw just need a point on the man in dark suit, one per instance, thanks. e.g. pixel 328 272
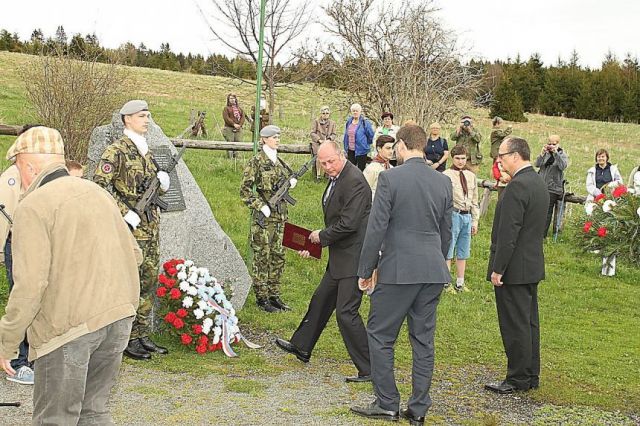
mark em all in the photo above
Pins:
pixel 516 265
pixel 410 222
pixel 346 203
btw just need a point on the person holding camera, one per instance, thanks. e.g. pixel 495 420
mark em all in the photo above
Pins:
pixel 436 150
pixel 467 136
pixel 552 163
pixel 497 135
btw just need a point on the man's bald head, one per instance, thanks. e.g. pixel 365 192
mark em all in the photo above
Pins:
pixel 331 157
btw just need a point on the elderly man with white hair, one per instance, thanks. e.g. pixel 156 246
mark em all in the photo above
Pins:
pixel 358 137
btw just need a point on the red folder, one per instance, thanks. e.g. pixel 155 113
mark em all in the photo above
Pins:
pixel 297 238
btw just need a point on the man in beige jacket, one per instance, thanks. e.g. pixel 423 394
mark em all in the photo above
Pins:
pixel 76 284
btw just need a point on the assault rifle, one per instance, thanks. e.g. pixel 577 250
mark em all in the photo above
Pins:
pixel 151 196
pixel 5 214
pixel 282 192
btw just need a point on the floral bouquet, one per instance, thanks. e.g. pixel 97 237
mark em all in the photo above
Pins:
pixel 612 225
pixel 196 309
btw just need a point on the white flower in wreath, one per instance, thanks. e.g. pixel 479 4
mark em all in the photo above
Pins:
pixel 184 286
pixel 180 266
pixel 217 331
pixel 193 278
pixel 235 329
pixel 202 281
pixel 227 305
pixel 192 291
pixel 188 263
pixel 202 304
pixel 218 320
pixel 206 330
pixel 217 288
pixel 219 297
pixel 589 208
pixel 215 340
pixel 203 272
pixel 182 275
pixel 232 312
pixel 207 322
pixel 187 302
pixel 608 206
pixel 198 313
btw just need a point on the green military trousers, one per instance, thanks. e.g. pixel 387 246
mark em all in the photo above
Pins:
pixel 148 284
pixel 268 258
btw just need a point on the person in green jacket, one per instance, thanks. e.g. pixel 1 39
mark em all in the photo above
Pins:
pixel 467 136
pixel 497 135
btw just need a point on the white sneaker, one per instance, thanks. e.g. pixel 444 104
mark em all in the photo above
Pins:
pixel 24 376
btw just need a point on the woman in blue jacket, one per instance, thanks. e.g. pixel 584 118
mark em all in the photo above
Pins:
pixel 358 137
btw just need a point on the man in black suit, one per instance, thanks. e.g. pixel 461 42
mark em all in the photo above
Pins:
pixel 410 222
pixel 516 265
pixel 346 203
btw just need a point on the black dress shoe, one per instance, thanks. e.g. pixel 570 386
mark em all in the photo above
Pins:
pixel 289 347
pixel 279 304
pixel 266 306
pixel 135 350
pixel 413 419
pixel 358 379
pixel 374 411
pixel 503 387
pixel 152 347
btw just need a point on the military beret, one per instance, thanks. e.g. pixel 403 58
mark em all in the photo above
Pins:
pixel 268 131
pixel 37 140
pixel 134 106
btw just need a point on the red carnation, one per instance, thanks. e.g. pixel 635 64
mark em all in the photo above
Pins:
pixel 178 323
pixel 203 340
pixel 166 265
pixel 599 197
pixel 619 191
pixel 602 232
pixel 587 226
pixel 197 328
pixel 170 317
pixel 201 349
pixel 170 282
pixel 174 293
pixel 161 291
pixel 181 313
pixel 212 348
pixel 172 271
pixel 186 339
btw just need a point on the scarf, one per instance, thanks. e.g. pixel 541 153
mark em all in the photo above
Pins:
pixel 463 180
pixel 385 163
pixel 236 112
pixel 138 140
pixel 272 154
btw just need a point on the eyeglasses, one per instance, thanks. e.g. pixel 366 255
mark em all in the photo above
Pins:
pixel 506 153
pixel 324 112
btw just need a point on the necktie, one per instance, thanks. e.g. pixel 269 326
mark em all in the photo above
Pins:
pixel 329 189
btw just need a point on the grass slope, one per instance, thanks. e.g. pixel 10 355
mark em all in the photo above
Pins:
pixel 589 324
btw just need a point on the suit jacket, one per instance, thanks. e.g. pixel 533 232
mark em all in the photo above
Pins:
pixel 345 219
pixel 518 230
pixel 411 221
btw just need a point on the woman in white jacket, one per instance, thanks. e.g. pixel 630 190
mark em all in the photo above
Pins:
pixel 601 175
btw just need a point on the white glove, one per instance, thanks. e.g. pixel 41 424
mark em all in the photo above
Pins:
pixel 293 182
pixel 132 219
pixel 165 180
pixel 266 211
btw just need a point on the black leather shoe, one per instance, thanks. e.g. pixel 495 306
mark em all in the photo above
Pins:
pixel 266 306
pixel 413 419
pixel 503 387
pixel 289 347
pixel 279 304
pixel 374 411
pixel 135 350
pixel 152 347
pixel 358 379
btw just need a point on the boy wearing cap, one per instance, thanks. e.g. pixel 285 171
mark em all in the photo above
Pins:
pixel 125 170
pixel 264 171
pixel 322 130
pixel 467 136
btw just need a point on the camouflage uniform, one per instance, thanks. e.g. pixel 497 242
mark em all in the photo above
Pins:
pixel 124 173
pixel 471 141
pixel 268 253
pixel 497 136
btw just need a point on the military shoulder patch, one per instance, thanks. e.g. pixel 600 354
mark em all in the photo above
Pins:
pixel 107 168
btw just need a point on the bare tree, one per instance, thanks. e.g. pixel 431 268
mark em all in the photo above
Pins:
pixel 399 58
pixel 74 95
pixel 284 22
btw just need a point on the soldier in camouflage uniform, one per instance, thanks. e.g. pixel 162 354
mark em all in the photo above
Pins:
pixel 467 136
pixel 264 171
pixel 125 169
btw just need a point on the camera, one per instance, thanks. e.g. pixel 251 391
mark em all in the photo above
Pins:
pixel 466 123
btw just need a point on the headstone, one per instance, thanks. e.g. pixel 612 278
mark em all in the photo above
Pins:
pixel 189 229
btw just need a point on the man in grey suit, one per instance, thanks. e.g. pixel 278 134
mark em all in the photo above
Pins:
pixel 410 222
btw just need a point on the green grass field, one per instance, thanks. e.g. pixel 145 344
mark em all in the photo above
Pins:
pixel 590 325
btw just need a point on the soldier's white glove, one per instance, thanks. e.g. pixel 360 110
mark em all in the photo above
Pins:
pixel 293 182
pixel 266 211
pixel 164 179
pixel 132 219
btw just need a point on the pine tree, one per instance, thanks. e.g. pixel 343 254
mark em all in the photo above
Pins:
pixel 507 103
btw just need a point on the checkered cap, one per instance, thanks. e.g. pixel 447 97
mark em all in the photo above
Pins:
pixel 37 140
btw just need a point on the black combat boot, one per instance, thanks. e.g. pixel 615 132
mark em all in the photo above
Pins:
pixel 266 306
pixel 135 350
pixel 278 304
pixel 150 346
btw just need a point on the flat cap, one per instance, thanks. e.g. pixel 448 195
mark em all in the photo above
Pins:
pixel 271 130
pixel 37 140
pixel 134 106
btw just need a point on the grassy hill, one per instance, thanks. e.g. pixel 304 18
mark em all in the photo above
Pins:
pixel 589 324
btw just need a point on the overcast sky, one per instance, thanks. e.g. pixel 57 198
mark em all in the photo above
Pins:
pixel 494 29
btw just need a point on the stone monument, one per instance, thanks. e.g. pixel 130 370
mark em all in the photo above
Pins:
pixel 188 229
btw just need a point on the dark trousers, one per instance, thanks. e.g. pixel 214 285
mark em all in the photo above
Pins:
pixel 517 306
pixel 553 205
pixel 23 352
pixel 344 297
pixel 390 305
pixel 359 160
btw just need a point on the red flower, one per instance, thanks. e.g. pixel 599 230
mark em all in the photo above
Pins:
pixel 174 293
pixel 170 317
pixel 178 323
pixel 170 282
pixel 181 313
pixel 172 271
pixel 212 348
pixel 587 226
pixel 602 232
pixel 186 339
pixel 202 340
pixel 166 265
pixel 197 328
pixel 599 197
pixel 619 191
pixel 201 349
pixel 161 291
